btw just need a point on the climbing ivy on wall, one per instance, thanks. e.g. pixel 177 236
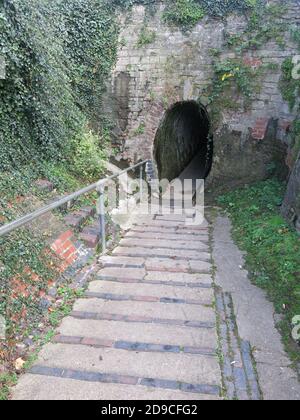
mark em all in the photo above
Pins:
pixel 290 87
pixel 57 55
pixel 235 78
pixel 187 13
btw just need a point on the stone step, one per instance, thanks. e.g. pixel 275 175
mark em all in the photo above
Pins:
pixel 203 295
pixel 179 266
pixel 161 253
pixel 90 239
pixel 189 368
pixel 179 277
pixel 46 388
pixel 171 224
pixel 161 243
pixel 121 261
pixel 140 298
pixel 148 309
pixel 173 231
pixel 78 218
pixel 204 238
pixel 137 332
pixel 155 274
pixel 172 218
pixel 123 273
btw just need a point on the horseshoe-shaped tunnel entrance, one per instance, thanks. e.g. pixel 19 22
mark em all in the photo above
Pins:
pixel 183 138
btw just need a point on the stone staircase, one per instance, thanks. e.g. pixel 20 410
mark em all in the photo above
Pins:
pixel 147 327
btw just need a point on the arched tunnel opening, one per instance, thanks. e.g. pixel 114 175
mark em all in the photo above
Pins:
pixel 183 139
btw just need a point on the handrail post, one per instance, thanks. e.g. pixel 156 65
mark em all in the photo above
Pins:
pixel 24 220
pixel 141 184
pixel 102 218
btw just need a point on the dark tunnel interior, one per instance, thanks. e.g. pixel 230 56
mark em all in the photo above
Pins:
pixel 183 136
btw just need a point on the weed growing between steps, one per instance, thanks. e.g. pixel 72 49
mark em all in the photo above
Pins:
pixel 272 249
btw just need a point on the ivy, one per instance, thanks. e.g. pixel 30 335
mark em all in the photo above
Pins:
pixel 57 56
pixel 290 87
pixel 232 79
pixel 264 24
pixel 184 13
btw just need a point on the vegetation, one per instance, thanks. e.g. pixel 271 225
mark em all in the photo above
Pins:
pixel 57 56
pixel 184 13
pixel 273 248
pixel 290 87
pixel 236 78
pixel 146 37
pixel 231 77
pixel 7 380
pixel 264 24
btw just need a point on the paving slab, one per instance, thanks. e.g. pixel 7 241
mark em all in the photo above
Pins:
pixel 41 388
pixel 135 332
pixel 154 310
pixel 131 273
pixel 172 265
pixel 169 236
pixel 126 262
pixel 179 277
pixel 169 230
pixel 190 368
pixel 255 317
pixel 161 252
pixel 161 243
pixel 203 295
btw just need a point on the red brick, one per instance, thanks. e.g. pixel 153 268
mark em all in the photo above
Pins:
pixel 65 236
pixel 69 252
pixel 67 339
pixel 71 259
pixel 56 246
pixel 260 128
pixel 67 244
pixel 127 380
pixel 95 342
pixel 252 62
pixel 145 298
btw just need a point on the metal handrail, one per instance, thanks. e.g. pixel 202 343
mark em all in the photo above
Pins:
pixel 99 186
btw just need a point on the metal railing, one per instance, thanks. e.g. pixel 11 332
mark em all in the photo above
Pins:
pixel 97 186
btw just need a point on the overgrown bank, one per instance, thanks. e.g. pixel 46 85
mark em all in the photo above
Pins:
pixel 57 55
pixel 273 249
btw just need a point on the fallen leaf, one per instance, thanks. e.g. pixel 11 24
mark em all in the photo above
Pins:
pixel 19 364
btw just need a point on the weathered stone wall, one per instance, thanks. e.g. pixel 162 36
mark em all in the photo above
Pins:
pixel 291 205
pixel 178 66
